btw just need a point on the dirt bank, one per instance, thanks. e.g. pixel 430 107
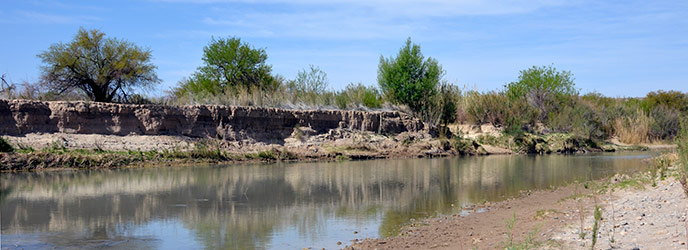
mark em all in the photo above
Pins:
pixel 75 129
pixel 255 124
pixel 648 218
pixel 94 132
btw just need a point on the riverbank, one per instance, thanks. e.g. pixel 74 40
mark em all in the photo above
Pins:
pixel 60 150
pixel 635 213
pixel 87 135
pixel 37 151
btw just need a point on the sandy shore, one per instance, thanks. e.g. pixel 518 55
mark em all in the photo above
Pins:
pixel 648 218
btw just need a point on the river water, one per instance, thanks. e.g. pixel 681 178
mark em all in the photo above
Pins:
pixel 270 206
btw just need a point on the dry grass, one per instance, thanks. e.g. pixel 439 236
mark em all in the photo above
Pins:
pixel 633 130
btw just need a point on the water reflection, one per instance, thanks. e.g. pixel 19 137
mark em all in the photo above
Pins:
pixel 269 206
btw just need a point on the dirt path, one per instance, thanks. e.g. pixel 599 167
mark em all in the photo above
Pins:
pixel 552 219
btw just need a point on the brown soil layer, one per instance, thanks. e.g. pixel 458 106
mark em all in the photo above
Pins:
pixel 553 218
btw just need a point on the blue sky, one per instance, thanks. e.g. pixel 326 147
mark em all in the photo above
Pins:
pixel 618 48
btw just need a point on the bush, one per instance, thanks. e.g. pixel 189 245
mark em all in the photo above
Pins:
pixel 544 88
pixel 5 146
pixel 665 124
pixel 490 107
pixel 580 117
pixel 670 99
pixel 309 86
pixel 409 78
pixel 139 99
pixel 356 95
pixel 448 100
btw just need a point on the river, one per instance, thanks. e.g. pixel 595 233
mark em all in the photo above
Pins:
pixel 270 206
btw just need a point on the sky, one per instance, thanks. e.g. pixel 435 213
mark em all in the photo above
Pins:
pixel 618 48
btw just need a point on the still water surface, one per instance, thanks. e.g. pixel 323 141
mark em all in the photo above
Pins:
pixel 269 206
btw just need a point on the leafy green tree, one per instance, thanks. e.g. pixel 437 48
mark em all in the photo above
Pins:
pixel 409 78
pixel 670 99
pixel 229 64
pixel 544 88
pixel 104 69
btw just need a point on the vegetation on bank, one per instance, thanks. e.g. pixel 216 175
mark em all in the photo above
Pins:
pixel 18 159
pixel 682 142
pixel 542 100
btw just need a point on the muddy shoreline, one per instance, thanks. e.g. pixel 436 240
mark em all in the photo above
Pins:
pixel 637 215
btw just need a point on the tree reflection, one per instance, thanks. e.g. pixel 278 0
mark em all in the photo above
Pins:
pixel 244 207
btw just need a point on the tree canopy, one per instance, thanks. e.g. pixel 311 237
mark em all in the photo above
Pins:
pixel 409 78
pixel 229 64
pixel 544 88
pixel 104 69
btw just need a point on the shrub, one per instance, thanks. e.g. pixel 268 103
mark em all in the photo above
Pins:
pixel 5 146
pixel 496 109
pixel 356 95
pixel 409 78
pixel 670 99
pixel 448 100
pixel 139 99
pixel 580 117
pixel 666 122
pixel 309 86
pixel 544 88
pixel 490 107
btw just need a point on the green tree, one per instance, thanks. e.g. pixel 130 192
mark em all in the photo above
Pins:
pixel 104 69
pixel 229 64
pixel 670 99
pixel 409 78
pixel 544 88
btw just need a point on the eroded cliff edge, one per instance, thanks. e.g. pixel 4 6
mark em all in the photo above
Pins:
pixel 270 125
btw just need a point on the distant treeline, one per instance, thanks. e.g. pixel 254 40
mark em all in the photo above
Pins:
pixel 542 99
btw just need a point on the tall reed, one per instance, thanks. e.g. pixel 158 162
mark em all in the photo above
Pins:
pixel 633 129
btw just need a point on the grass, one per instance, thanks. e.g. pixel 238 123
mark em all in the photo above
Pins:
pixel 58 156
pixel 596 225
pixel 682 142
pixel 528 243
pixel 633 130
